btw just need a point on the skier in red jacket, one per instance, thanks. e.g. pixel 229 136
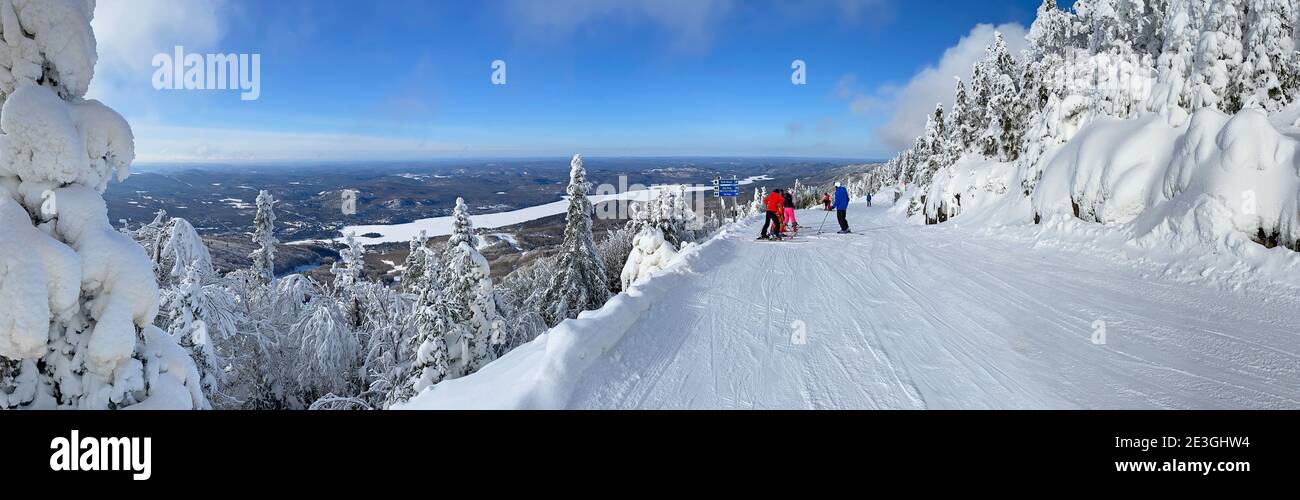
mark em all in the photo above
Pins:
pixel 775 205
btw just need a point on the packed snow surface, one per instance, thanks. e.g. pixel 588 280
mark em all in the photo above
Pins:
pixel 901 315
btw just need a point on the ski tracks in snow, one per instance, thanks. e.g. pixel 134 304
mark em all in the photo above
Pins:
pixel 906 316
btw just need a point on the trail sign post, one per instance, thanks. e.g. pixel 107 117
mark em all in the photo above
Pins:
pixel 727 188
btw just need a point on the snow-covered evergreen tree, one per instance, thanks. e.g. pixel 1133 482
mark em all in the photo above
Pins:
pixel 961 132
pixel 936 147
pixel 350 264
pixel 152 236
pixel 418 262
pixel 389 331
pixel 756 206
pixel 1177 60
pixel 431 362
pixel 980 97
pixel 668 210
pixel 613 251
pixel 579 282
pixel 184 249
pixel 264 237
pixel 1109 28
pixel 1005 117
pixel 1269 73
pixel 187 304
pixel 462 228
pixel 79 298
pixel 469 301
pixel 347 271
pixel 328 350
pixel 429 356
pixel 1050 32
pixel 1218 58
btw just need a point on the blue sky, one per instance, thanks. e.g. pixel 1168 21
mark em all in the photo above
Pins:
pixel 398 79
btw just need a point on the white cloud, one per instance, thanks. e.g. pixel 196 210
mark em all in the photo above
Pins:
pixel 860 102
pixel 915 100
pixel 129 32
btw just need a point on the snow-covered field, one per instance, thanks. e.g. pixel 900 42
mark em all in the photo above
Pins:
pixel 441 226
pixel 909 316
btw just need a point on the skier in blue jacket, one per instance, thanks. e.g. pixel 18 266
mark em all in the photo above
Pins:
pixel 841 206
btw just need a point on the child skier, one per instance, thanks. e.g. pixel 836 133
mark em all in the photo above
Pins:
pixel 790 223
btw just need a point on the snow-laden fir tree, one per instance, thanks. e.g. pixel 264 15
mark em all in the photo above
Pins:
pixel 1269 73
pixel 347 279
pixel 431 361
pixel 429 356
pixel 79 298
pixel 328 351
pixel 667 210
pixel 1218 58
pixel 1050 32
pixel 1177 59
pixel 350 264
pixel 151 236
pixel 961 132
pixel 469 301
pixel 389 330
pixel 980 98
pixel 688 221
pixel 1136 27
pixel 418 262
pixel 1002 136
pixel 579 282
pixel 756 207
pixel 183 249
pixel 462 228
pixel 188 304
pixel 613 250
pixel 936 137
pixel 264 237
pixel 1107 30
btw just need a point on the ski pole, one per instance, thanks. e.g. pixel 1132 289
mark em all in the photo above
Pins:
pixel 823 225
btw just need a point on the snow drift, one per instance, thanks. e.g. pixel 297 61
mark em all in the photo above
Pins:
pixel 1207 185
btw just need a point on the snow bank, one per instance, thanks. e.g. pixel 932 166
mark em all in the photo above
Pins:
pixel 971 186
pixel 1109 172
pixel 542 374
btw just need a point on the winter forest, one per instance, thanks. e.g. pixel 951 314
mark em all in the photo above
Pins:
pixel 1170 121
pixel 1174 119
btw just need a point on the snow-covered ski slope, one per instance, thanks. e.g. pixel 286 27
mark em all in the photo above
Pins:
pixel 909 316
